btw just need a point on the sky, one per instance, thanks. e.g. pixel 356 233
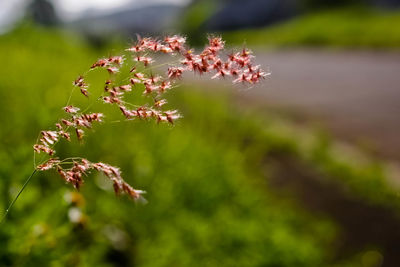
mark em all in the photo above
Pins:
pixel 71 9
pixel 12 10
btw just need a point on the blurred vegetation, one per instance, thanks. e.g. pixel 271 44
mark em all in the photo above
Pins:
pixel 210 202
pixel 348 28
pixel 320 24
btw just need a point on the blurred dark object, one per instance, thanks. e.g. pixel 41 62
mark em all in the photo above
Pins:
pixel 239 14
pixel 312 4
pixel 42 12
pixel 387 3
pixel 146 20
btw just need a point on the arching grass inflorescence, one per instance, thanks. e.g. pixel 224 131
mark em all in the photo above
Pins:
pixel 238 65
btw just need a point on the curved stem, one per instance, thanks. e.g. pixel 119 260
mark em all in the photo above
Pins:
pixel 15 199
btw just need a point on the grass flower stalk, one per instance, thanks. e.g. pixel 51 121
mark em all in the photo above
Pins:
pixel 139 59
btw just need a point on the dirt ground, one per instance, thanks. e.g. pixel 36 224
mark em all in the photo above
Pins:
pixel 363 225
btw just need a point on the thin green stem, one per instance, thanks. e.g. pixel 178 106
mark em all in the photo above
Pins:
pixel 15 199
pixel 70 96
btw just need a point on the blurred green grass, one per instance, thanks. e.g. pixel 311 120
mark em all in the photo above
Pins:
pixel 209 201
pixel 340 28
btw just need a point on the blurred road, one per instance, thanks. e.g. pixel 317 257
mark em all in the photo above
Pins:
pixel 354 94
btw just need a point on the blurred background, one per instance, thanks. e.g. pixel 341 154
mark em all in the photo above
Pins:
pixel 301 170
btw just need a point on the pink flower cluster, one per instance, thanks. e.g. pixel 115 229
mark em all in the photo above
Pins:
pixel 81 167
pixel 78 122
pixel 210 60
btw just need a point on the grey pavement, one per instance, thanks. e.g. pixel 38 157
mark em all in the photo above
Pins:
pixel 356 95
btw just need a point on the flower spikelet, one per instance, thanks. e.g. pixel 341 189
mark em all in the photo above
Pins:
pixel 139 60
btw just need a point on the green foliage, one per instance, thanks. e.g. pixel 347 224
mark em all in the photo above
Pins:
pixel 348 28
pixel 206 207
pixel 209 202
